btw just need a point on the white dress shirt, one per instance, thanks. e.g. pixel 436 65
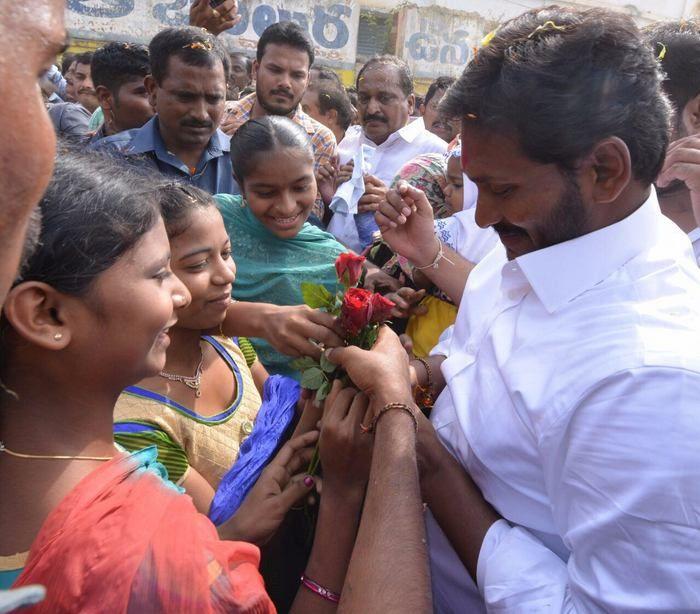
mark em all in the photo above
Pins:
pixel 400 147
pixel 573 400
pixel 694 236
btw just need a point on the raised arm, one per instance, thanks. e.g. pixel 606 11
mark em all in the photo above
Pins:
pixel 389 569
pixel 406 221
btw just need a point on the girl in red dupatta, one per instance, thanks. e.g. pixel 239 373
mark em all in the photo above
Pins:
pixel 106 531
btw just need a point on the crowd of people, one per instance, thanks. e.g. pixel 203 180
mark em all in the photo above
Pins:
pixel 522 436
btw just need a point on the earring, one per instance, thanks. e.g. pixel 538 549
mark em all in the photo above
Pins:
pixel 58 336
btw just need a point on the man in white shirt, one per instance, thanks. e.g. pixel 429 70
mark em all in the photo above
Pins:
pixel 677 45
pixel 385 103
pixel 572 374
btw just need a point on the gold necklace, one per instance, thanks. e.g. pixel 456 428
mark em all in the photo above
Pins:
pixel 193 382
pixel 4 448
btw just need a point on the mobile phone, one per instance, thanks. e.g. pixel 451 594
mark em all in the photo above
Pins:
pixel 214 3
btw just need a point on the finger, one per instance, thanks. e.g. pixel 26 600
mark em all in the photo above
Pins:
pixel 300 460
pixel 297 488
pixel 336 387
pixel 357 411
pixel 416 197
pixel 325 327
pixel 681 171
pixel 384 223
pixel 227 9
pixel 289 449
pixel 392 213
pixel 407 343
pixel 340 407
pixel 367 207
pixel 345 355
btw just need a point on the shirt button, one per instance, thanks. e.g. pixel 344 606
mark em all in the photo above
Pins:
pixel 247 427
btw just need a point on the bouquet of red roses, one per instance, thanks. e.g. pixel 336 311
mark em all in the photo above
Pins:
pixel 360 313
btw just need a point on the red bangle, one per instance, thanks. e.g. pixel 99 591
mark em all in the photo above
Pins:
pixel 321 591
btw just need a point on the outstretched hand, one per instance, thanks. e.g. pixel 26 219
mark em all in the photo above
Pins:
pixel 407 302
pixel 217 19
pixel 298 330
pixel 345 450
pixel 406 221
pixel 278 488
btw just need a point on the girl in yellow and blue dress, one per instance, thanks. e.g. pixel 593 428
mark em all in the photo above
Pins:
pixel 213 412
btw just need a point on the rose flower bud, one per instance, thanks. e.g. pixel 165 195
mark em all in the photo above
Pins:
pixel 348 267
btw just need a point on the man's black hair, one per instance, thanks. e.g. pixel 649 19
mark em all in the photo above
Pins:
pixel 193 46
pixel 118 63
pixel 287 33
pixel 559 80
pixel 405 75
pixel 441 84
pixel 84 58
pixel 330 96
pixel 676 44
pixel 66 61
pixel 248 61
pixel 327 74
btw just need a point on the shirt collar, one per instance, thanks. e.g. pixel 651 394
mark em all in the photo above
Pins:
pixel 147 139
pixel 408 134
pixel 560 273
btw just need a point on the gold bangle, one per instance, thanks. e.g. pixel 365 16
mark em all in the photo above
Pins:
pixel 388 407
pixel 428 371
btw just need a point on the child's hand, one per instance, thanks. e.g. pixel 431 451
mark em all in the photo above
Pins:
pixel 407 301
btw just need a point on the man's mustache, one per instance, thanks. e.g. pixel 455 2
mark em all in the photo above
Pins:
pixel 375 118
pixel 508 229
pixel 188 123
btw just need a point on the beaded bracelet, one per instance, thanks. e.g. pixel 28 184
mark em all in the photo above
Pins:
pixel 321 591
pixel 388 407
pixel 424 394
pixel 436 262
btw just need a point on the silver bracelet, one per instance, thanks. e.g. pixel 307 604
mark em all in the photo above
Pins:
pixel 436 262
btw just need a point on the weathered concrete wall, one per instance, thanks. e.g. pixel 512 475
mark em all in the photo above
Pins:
pixel 437 41
pixel 332 24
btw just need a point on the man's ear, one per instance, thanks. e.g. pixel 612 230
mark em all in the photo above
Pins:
pixel 254 72
pixel 411 104
pixel 609 169
pixel 36 311
pixel 104 97
pixel 152 88
pixel 332 115
pixel 690 117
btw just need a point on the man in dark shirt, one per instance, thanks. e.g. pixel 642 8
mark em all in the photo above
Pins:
pixel 187 88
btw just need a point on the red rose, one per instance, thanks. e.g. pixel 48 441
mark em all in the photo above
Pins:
pixel 348 267
pixel 356 310
pixel 381 308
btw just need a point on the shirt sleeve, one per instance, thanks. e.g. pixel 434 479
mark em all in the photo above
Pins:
pixel 137 436
pixel 623 475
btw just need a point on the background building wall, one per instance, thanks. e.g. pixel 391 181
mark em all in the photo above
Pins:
pixel 434 37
